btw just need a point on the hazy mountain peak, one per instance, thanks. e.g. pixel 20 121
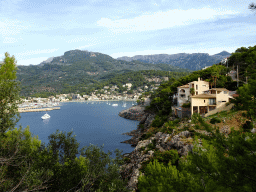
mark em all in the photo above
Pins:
pixel 193 61
pixel 223 53
pixel 48 60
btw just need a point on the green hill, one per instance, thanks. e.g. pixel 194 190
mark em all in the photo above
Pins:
pixel 76 69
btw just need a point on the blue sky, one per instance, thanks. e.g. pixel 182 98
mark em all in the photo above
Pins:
pixel 34 30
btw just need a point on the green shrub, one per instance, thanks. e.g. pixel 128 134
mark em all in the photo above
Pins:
pixel 215 120
pixel 248 126
pixel 165 157
pixel 127 160
pixel 142 149
pixel 145 136
pixel 167 130
pixel 227 103
pixel 152 145
pixel 157 122
pixel 186 105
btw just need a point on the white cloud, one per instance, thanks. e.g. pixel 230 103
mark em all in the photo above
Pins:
pixel 11 40
pixel 10 27
pixel 162 20
pixel 37 51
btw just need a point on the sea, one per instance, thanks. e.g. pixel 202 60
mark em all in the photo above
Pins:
pixel 93 122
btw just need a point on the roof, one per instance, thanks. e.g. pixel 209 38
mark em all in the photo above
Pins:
pixel 184 86
pixel 235 95
pixel 219 89
pixel 204 96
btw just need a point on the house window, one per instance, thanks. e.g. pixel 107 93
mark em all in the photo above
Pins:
pixel 225 92
pixel 204 101
pixel 196 87
pixel 212 101
pixel 196 93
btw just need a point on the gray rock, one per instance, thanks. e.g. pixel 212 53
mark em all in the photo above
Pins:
pixel 160 148
pixel 151 152
pixel 253 130
pixel 143 143
pixel 184 134
pixel 158 135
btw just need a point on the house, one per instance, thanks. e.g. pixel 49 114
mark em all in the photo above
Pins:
pixel 199 86
pixel 183 93
pixel 209 100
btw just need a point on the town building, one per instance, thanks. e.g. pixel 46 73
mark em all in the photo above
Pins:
pixel 209 100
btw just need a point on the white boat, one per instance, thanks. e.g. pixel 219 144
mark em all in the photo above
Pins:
pixel 115 104
pixel 124 105
pixel 46 116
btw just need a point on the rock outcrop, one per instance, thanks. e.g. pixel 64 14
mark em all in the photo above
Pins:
pixel 134 113
pixel 163 142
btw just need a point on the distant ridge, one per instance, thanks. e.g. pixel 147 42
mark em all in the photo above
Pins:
pixel 47 60
pixel 194 61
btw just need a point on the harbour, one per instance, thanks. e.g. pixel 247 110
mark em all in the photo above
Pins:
pixel 31 109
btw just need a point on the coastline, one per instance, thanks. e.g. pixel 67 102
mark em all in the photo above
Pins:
pixel 84 101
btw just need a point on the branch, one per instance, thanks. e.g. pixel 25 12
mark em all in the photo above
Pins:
pixel 21 180
pixel 252 6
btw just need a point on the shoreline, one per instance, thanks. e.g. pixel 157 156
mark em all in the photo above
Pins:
pixel 96 100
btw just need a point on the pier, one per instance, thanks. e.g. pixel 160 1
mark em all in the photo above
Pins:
pixel 33 109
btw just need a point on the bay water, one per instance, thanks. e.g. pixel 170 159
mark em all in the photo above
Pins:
pixel 93 122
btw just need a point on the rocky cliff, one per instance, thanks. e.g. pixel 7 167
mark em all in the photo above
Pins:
pixel 137 113
pixel 163 142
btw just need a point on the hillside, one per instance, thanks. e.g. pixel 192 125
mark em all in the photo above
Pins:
pixel 77 69
pixel 201 154
pixel 194 61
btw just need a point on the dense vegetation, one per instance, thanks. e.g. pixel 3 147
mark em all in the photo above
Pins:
pixel 220 163
pixel 137 79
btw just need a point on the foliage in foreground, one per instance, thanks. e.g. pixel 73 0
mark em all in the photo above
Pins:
pixel 220 164
pixel 30 165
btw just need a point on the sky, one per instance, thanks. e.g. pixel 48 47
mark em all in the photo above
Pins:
pixel 34 30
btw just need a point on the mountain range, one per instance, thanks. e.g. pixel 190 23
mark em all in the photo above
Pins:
pixel 194 61
pixel 77 69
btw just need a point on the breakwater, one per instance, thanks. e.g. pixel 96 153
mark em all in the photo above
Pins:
pixel 31 109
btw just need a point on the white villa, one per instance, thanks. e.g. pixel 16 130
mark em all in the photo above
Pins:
pixel 204 99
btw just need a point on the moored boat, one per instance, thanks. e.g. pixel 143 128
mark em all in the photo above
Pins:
pixel 46 116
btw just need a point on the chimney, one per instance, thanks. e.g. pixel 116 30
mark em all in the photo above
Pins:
pixel 198 78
